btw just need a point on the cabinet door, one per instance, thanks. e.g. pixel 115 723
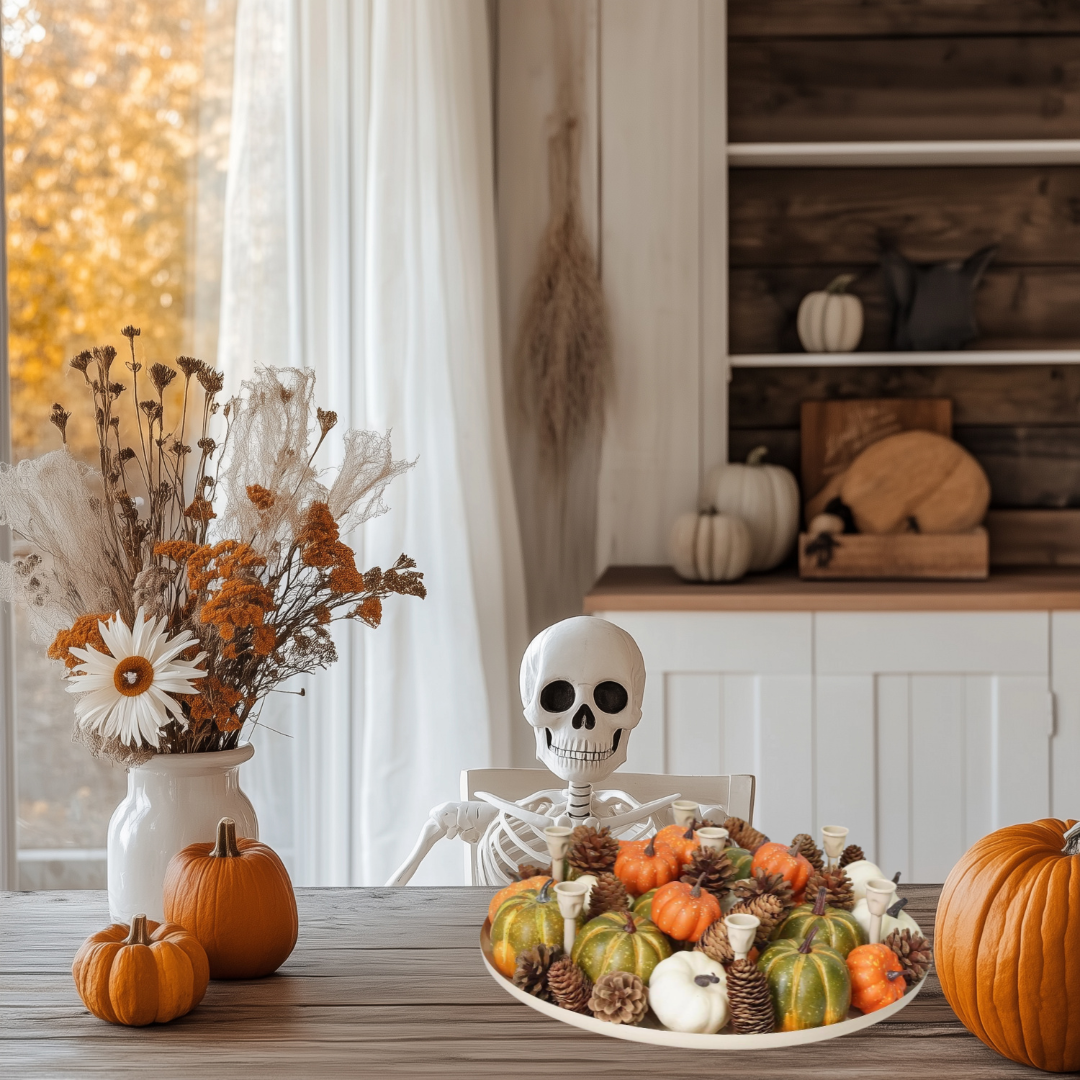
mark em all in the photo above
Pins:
pixel 931 730
pixel 729 693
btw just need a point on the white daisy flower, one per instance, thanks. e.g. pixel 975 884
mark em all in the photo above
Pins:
pixel 129 694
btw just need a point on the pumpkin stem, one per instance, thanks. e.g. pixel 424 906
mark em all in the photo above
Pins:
pixel 896 878
pixel 1072 841
pixel 793 850
pixel 706 980
pixel 225 846
pixel 650 847
pixel 689 834
pixel 757 455
pixel 892 976
pixel 819 903
pixel 695 892
pixel 896 908
pixel 631 926
pixel 139 935
pixel 804 948
pixel 544 895
pixel 840 283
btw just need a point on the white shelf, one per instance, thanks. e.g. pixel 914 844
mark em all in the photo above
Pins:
pixel 851 154
pixel 920 359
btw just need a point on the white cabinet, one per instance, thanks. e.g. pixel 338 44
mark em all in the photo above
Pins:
pixel 920 731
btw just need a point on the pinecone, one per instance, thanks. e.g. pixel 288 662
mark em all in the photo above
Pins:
pixel 714 943
pixel 569 986
pixel 716 868
pixel 743 834
pixel 620 998
pixel 768 908
pixel 592 851
pixel 608 894
pixel 913 951
pixel 527 870
pixel 531 973
pixel 839 892
pixel 763 882
pixel 704 823
pixel 852 853
pixel 809 850
pixel 749 999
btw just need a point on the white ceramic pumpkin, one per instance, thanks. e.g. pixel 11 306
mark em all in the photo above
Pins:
pixel 766 497
pixel 831 321
pixel 900 921
pixel 688 992
pixel 709 546
pixel 860 872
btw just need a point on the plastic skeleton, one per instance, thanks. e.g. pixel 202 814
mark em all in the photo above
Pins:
pixel 582 683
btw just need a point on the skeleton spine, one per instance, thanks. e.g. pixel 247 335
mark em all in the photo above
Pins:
pixel 579 801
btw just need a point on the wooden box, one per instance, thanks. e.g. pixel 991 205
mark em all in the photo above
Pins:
pixel 945 556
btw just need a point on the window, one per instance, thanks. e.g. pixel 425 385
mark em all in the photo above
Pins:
pixel 116 125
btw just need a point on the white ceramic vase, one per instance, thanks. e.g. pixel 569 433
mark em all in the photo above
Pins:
pixel 172 800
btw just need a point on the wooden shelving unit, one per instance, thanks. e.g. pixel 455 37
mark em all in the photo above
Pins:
pixel 904 154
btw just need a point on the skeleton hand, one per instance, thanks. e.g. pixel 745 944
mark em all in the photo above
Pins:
pixel 469 820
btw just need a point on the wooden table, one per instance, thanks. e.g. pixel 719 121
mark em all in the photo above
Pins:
pixel 389 983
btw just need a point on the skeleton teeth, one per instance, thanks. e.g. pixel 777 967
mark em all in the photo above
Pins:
pixel 581 755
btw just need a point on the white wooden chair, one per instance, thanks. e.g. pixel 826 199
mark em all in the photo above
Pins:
pixel 735 793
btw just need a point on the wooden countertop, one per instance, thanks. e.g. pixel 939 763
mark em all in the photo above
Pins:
pixel 658 588
pixel 389 982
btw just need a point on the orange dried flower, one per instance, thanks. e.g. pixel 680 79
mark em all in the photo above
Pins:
pixel 201 509
pixel 84 634
pixel 263 640
pixel 239 603
pixel 322 614
pixel 260 496
pixel 177 550
pixel 346 578
pixel 216 702
pixel 318 538
pixel 370 611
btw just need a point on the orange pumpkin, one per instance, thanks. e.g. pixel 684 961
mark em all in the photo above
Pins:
pixel 684 912
pixel 235 896
pixel 877 977
pixel 646 864
pixel 512 889
pixel 681 839
pixel 1007 942
pixel 781 859
pixel 148 973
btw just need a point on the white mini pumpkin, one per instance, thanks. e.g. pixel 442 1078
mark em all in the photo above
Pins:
pixel 860 872
pixel 900 921
pixel 688 992
pixel 831 321
pixel 766 497
pixel 709 546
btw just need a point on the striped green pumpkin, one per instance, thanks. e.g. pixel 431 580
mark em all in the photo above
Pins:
pixel 620 941
pixel 526 919
pixel 643 905
pixel 836 928
pixel 809 983
pixel 741 860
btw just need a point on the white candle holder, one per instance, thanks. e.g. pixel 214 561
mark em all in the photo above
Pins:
pixel 741 932
pixel 880 893
pixel 712 838
pixel 685 812
pixel 571 897
pixel 558 843
pixel 832 840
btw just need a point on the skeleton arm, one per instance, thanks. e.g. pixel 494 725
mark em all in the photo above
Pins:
pixel 639 813
pixel 469 820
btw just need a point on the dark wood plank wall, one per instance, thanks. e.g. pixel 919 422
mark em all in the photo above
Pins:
pixel 809 70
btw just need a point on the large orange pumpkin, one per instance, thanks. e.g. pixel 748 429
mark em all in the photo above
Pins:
pixel 1007 942
pixel 646 864
pixel 684 912
pixel 513 889
pixel 235 896
pixel 681 839
pixel 150 972
pixel 781 859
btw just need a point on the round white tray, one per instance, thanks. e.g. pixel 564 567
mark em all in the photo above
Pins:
pixel 650 1031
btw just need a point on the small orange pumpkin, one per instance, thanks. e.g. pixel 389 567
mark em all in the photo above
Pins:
pixel 877 977
pixel 512 889
pixel 781 859
pixel 143 974
pixel 684 912
pixel 646 864
pixel 682 840
pixel 235 896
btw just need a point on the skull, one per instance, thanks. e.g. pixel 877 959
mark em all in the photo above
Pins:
pixel 582 681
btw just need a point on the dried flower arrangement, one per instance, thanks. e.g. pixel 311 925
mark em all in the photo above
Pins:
pixel 176 610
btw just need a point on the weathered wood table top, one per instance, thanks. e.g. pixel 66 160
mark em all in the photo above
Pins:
pixel 389 982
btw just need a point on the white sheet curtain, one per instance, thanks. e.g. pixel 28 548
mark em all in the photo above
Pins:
pixel 360 242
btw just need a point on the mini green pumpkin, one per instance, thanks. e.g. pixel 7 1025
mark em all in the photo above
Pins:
pixel 741 860
pixel 839 929
pixel 524 920
pixel 643 905
pixel 620 941
pixel 809 983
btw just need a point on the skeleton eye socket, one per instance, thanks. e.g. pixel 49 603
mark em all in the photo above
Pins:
pixel 557 696
pixel 610 697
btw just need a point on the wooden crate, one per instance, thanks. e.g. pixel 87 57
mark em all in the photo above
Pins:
pixel 944 556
